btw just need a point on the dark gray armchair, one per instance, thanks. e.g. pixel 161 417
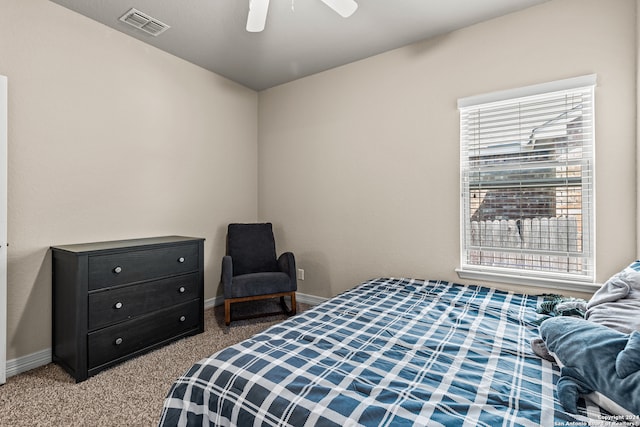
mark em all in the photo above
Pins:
pixel 251 271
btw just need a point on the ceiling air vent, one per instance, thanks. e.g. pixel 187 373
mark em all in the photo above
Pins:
pixel 144 22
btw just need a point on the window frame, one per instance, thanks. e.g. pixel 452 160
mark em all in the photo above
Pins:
pixel 512 275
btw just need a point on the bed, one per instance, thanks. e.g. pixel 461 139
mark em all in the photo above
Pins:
pixel 391 352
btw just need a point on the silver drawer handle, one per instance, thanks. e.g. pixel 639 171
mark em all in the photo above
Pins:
pixel 181 260
pixel 117 270
pixel 118 341
pixel 118 305
pixel 181 290
pixel 182 318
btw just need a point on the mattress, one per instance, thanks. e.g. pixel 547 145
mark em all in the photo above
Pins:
pixel 389 352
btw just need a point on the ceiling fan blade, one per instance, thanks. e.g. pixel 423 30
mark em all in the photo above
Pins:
pixel 344 8
pixel 257 15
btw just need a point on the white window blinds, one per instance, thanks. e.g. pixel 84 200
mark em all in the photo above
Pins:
pixel 527 181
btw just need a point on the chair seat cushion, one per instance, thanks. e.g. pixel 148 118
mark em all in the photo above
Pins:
pixel 254 284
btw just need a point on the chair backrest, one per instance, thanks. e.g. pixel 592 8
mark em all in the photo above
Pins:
pixel 252 248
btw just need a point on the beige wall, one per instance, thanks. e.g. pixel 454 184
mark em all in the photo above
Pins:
pixel 110 138
pixel 358 166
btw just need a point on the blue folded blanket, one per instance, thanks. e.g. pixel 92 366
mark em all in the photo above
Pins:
pixel 594 358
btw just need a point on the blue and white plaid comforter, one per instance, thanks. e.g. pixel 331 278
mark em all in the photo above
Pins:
pixel 389 352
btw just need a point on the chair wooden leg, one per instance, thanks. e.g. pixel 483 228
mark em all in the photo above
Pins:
pixel 227 312
pixel 293 303
pixel 292 311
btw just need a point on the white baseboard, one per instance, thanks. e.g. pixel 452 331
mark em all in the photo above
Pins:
pixel 213 302
pixel 28 362
pixel 43 357
pixel 310 299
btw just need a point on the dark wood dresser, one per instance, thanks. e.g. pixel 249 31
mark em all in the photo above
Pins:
pixel 116 300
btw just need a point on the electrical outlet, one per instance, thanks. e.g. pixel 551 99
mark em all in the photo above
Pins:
pixel 300 274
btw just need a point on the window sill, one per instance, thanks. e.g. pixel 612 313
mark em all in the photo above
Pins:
pixel 557 283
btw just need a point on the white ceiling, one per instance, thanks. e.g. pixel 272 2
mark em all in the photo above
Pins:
pixel 301 37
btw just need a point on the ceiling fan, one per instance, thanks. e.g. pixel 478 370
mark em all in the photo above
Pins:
pixel 258 12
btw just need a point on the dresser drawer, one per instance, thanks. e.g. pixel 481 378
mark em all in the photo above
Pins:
pixel 134 266
pixel 116 305
pixel 114 342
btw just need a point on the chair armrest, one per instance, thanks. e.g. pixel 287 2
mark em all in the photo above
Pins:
pixel 287 264
pixel 227 274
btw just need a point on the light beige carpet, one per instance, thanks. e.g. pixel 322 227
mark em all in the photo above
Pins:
pixel 130 394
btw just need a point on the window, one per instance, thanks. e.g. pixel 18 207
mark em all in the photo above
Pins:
pixel 527 184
